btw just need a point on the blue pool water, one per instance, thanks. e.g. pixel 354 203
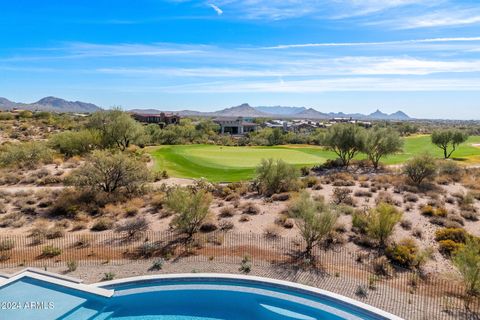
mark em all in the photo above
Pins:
pixel 182 299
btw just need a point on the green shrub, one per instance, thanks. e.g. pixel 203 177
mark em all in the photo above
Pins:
pixel 381 221
pixel 420 168
pixel 108 276
pixel 458 235
pixel 102 224
pixel 51 251
pixel 191 209
pixel 404 254
pixel 449 247
pixel 360 221
pixel 111 173
pixel 276 176
pixel 26 154
pixel 72 265
pixel 72 143
pixel 7 244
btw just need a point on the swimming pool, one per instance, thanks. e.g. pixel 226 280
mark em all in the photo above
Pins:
pixel 189 297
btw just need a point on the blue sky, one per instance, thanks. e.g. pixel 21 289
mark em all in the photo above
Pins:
pixel 419 56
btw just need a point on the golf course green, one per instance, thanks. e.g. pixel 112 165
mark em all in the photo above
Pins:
pixel 221 163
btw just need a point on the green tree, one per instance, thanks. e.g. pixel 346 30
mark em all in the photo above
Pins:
pixel 346 140
pixel 314 220
pixel 380 222
pixel 71 143
pixel 448 140
pixel 467 260
pixel 381 142
pixel 420 168
pixel 111 172
pixel 191 209
pixel 275 176
pixel 117 129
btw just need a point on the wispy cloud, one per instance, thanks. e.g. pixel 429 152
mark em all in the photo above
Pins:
pixel 442 18
pixel 216 8
pixel 351 66
pixel 366 44
pixel 364 84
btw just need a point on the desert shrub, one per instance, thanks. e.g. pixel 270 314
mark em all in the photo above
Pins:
pixel 133 227
pixel 405 253
pixel 208 226
pixel 27 154
pixel 6 244
pixel 449 247
pixel 360 221
pixel 78 225
pixel 420 168
pixel 55 232
pixel 451 170
pixel 382 267
pixel 310 181
pixel 111 172
pixel 467 261
pixel 272 232
pixel 72 265
pixel 157 265
pixel 250 208
pixel 470 215
pixel 406 224
pixel 225 225
pixel 108 276
pixel 227 212
pixel 342 196
pixel 72 143
pixel 314 220
pixel 362 193
pixel 281 197
pixel 51 251
pixel 158 200
pixel 430 211
pixel 305 171
pixel 102 224
pixel 381 222
pixel 345 209
pixel 458 235
pixel 191 209
pixel 276 176
pixel 410 197
pixel 417 233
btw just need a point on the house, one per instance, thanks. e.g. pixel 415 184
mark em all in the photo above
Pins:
pixel 235 125
pixel 162 119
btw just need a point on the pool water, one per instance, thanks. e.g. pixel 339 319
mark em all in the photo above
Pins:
pixel 225 300
pixel 183 298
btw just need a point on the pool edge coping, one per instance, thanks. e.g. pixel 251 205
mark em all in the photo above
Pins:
pixel 334 296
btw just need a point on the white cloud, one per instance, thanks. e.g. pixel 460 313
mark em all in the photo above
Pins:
pixel 366 44
pixel 323 85
pixel 344 66
pixel 443 18
pixel 216 8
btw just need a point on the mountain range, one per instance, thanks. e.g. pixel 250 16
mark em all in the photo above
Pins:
pixel 54 104
pixel 51 104
pixel 245 110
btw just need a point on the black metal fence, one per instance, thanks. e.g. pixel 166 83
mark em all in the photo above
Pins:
pixel 342 270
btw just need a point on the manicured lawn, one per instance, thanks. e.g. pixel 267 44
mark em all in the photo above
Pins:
pixel 219 163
